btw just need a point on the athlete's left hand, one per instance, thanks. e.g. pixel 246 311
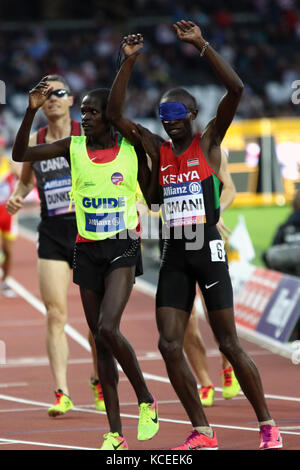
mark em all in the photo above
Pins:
pixel 132 44
pixel 188 31
pixel 39 94
pixel 223 229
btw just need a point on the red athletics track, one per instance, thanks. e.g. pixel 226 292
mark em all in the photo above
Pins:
pixel 26 386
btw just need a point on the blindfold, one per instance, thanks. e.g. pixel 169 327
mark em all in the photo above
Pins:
pixel 172 110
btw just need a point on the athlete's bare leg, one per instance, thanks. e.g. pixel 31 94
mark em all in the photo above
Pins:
pixel 54 278
pixel 171 325
pixel 195 350
pixel 95 375
pixel 104 316
pixel 223 326
pixel 225 363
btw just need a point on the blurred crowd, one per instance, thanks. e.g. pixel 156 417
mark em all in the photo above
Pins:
pixel 260 38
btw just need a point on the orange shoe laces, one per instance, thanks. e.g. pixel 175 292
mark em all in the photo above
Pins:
pixel 227 373
pixel 205 391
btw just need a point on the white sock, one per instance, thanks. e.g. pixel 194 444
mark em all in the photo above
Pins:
pixel 271 422
pixel 207 430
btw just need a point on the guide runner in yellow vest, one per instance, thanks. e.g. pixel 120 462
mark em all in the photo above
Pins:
pixel 102 214
pixel 107 253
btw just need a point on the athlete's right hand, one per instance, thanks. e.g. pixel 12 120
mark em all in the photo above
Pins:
pixel 14 204
pixel 39 94
pixel 132 44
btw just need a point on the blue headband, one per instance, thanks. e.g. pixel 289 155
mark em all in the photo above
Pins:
pixel 172 110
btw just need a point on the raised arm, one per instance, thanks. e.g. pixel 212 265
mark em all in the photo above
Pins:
pixel 141 138
pixel 21 152
pixel 131 48
pixel 214 133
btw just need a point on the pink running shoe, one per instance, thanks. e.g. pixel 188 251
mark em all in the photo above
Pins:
pixel 199 441
pixel 270 437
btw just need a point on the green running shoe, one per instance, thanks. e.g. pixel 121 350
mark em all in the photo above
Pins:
pixel 98 395
pixel 113 441
pixel 231 387
pixel 62 404
pixel 148 423
pixel 207 395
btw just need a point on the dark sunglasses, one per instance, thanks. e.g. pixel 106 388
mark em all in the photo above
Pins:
pixel 59 93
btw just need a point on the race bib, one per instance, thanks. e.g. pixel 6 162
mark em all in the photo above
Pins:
pixel 57 196
pixel 217 250
pixel 184 204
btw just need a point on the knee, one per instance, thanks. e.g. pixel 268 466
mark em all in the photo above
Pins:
pixel 102 346
pixel 230 347
pixel 171 350
pixel 56 316
pixel 106 333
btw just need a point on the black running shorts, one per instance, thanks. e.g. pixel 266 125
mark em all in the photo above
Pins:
pixel 93 261
pixel 181 269
pixel 57 237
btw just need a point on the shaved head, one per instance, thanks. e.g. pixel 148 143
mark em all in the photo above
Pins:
pixel 180 94
pixel 101 95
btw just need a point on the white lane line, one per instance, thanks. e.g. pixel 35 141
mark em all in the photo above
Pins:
pixel 145 288
pixel 142 286
pixel 91 406
pixel 44 444
pixel 22 410
pixel 42 361
pixel 136 416
pixel 13 384
pixel 218 389
pixel 289 427
pixel 268 395
pixel 39 362
pixel 38 305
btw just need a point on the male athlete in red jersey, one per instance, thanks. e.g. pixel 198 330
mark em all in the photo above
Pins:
pixel 189 187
